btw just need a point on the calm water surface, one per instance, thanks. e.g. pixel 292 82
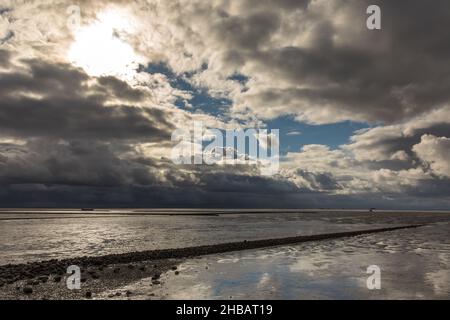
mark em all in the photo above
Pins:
pixel 39 235
pixel 414 264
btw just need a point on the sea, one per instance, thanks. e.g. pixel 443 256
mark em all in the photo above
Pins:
pixel 412 263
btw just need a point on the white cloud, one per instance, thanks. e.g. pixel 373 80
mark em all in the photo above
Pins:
pixel 435 151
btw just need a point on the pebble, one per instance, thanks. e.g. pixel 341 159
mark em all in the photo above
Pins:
pixel 177 273
pixel 27 290
pixel 88 294
pixel 156 276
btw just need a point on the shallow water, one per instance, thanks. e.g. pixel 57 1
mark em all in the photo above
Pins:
pixel 414 264
pixel 31 235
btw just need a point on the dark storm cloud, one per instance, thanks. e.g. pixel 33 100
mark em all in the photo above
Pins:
pixel 67 134
pixel 66 107
pixel 387 76
pixel 159 196
pixel 231 182
pixel 44 78
pixel 121 88
pixel 71 163
pixel 321 181
pixel 77 173
pixel 392 147
pixel 247 33
pixel 270 4
pixel 80 118
pixel 46 162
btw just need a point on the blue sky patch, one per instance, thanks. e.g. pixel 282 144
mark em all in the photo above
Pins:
pixel 201 100
pixel 293 134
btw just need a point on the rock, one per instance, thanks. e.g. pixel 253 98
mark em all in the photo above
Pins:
pixel 95 276
pixel 177 273
pixel 129 293
pixel 27 290
pixel 116 270
pixel 142 268
pixel 130 266
pixel 57 279
pixel 206 268
pixel 118 294
pixel 156 282
pixel 83 279
pixel 156 276
pixel 43 279
pixel 174 268
pixel 88 294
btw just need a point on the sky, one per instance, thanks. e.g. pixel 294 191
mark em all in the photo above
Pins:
pixel 91 92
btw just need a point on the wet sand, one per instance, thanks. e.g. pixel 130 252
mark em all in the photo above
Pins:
pixel 413 263
pixel 47 279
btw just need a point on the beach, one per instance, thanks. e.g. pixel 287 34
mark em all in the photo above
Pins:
pixel 307 264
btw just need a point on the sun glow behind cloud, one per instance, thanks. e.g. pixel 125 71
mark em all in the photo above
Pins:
pixel 101 48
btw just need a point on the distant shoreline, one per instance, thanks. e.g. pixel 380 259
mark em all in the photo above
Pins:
pixel 187 212
pixel 203 211
pixel 26 214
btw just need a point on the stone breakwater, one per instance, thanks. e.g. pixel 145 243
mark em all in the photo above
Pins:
pixel 15 272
